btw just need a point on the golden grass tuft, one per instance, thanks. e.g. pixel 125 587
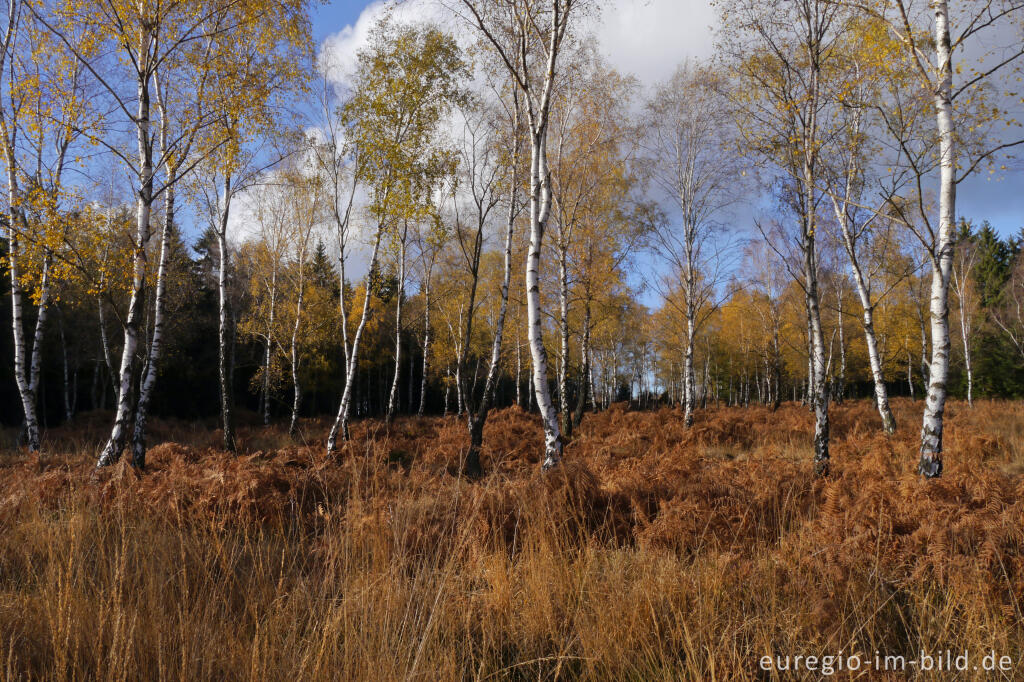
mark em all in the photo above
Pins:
pixel 655 552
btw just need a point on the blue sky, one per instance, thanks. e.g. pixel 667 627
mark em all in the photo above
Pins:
pixel 648 38
pixel 333 17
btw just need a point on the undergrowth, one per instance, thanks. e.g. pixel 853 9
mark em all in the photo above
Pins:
pixel 653 553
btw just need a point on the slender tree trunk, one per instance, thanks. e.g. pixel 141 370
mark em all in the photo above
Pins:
pixel 930 465
pixel 864 294
pixel 776 363
pixel 820 397
pixel 476 421
pixel 342 309
pixel 447 389
pixel 688 373
pixel 119 434
pixel 540 205
pixel 841 384
pixel 965 333
pixel 393 397
pixel 23 367
pixel 341 421
pixel 584 382
pixel 874 357
pixel 563 335
pixel 910 373
pixel 105 345
pixel 269 347
pixel 26 373
pixel 460 402
pixel 426 346
pixel 150 371
pixel 293 424
pixel 224 328
pixel 519 369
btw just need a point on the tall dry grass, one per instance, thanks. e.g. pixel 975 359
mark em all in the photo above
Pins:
pixel 655 553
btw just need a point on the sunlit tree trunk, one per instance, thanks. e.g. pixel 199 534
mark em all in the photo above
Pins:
pixel 224 325
pixel 965 333
pixel 268 349
pixel 563 334
pixel 150 367
pixel 119 434
pixel 688 373
pixel 393 396
pixel 930 465
pixel 820 397
pixel 962 272
pixel 341 421
pixel 293 424
pixel 26 366
pixel 426 346
pixel 874 358
pixel 540 206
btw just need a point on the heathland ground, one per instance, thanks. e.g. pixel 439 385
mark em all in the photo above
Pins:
pixel 653 552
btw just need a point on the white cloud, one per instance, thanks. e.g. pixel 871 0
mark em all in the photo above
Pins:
pixel 649 38
pixel 339 51
pixel 646 38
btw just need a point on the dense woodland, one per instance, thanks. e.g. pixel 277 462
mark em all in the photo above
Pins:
pixel 205 220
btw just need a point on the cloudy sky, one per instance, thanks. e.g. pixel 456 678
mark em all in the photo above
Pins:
pixel 644 37
pixel 648 38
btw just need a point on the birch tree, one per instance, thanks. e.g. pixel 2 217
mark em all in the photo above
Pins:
pixel 265 259
pixel 781 52
pixel 527 36
pixel 692 157
pixel 406 82
pixel 305 210
pixel 166 39
pixel 962 275
pixel 970 131
pixel 43 112
pixel 337 163
pixel 485 174
pixel 863 178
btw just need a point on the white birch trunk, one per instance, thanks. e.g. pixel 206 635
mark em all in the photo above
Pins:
pixel 688 373
pixel 224 324
pixel 293 424
pixel 930 465
pixel 563 329
pixel 519 370
pixel 149 375
pixel 540 206
pixel 965 332
pixel 26 369
pixel 393 397
pixel 341 421
pixel 426 346
pixel 119 434
pixel 874 358
pixel 270 345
